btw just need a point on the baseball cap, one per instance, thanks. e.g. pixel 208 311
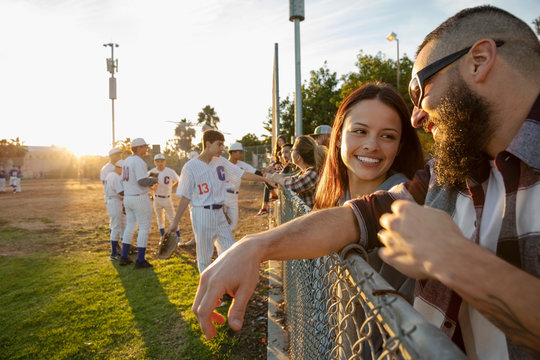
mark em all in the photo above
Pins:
pixel 322 130
pixel 236 147
pixel 119 163
pixel 138 142
pixel 114 151
pixel 159 157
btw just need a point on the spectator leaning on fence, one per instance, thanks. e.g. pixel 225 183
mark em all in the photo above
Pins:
pixel 309 157
pixel 373 147
pixel 286 168
pixel 275 165
pixel 475 242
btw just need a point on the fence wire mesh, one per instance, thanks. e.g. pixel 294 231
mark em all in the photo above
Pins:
pixel 339 307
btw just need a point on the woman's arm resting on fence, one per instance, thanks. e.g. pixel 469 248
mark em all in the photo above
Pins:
pixel 236 271
pixel 425 243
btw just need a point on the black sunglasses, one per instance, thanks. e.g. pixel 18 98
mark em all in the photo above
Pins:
pixel 416 86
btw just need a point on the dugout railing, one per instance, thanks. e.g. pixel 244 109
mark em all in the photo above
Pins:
pixel 339 307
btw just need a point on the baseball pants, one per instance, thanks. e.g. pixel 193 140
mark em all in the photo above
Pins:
pixel 161 205
pixel 138 211
pixel 16 183
pixel 210 227
pixel 231 208
pixel 116 217
pixel 3 185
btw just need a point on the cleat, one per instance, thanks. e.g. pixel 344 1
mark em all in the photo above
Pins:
pixel 114 257
pixel 142 265
pixel 125 261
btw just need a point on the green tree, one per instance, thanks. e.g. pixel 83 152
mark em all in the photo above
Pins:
pixel 13 148
pixel 286 126
pixel 378 68
pixel 536 23
pixel 184 133
pixel 320 101
pixel 251 139
pixel 208 116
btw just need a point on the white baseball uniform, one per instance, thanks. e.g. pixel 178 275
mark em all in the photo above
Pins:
pixel 204 185
pixel 113 188
pixel 231 194
pixel 15 179
pixel 3 176
pixel 162 195
pixel 105 170
pixel 136 201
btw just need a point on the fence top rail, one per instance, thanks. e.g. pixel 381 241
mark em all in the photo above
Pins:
pixel 420 339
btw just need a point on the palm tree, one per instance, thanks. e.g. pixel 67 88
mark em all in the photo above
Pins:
pixel 185 132
pixel 208 116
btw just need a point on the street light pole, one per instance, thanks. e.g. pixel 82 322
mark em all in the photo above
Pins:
pixel 296 14
pixel 393 36
pixel 112 67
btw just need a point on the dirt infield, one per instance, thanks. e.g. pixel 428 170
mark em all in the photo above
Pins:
pixel 64 206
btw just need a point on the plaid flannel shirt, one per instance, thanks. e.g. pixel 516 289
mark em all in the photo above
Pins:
pixel 304 185
pixel 519 238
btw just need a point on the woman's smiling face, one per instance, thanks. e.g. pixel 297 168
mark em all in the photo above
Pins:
pixel 370 140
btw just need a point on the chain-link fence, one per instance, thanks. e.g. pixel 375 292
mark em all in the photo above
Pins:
pixel 339 307
pixel 258 156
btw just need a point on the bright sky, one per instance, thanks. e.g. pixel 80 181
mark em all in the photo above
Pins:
pixel 176 56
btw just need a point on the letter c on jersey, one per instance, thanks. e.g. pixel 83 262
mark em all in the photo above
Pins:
pixel 221 173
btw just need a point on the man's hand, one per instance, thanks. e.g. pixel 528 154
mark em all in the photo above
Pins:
pixel 419 240
pixel 235 272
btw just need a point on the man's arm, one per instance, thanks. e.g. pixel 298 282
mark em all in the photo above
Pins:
pixel 236 271
pixel 252 177
pixel 182 206
pixel 425 243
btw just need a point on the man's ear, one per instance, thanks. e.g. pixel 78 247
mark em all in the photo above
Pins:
pixel 482 59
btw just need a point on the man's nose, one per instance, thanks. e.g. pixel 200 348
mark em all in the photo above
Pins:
pixel 418 117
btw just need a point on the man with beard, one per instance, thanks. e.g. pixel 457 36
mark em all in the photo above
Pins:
pixel 467 226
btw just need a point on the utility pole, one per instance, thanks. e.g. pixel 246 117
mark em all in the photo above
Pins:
pixel 296 14
pixel 112 67
pixel 391 37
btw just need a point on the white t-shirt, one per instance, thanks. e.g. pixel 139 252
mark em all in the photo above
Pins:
pixel 133 170
pixel 166 178
pixel 113 185
pixel 482 339
pixel 204 184
pixel 235 183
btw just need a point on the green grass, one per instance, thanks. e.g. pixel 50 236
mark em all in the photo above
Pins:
pixel 80 305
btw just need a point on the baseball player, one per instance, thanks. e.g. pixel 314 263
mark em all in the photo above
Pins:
pixel 236 154
pixel 15 176
pixel 202 184
pixel 136 183
pixel 114 197
pixel 114 155
pixel 3 176
pixel 167 180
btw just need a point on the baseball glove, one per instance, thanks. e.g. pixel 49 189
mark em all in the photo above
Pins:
pixel 167 245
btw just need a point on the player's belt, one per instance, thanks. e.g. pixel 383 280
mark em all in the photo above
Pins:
pixel 232 191
pixel 163 197
pixel 213 206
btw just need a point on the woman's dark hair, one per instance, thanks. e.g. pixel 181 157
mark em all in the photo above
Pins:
pixel 275 156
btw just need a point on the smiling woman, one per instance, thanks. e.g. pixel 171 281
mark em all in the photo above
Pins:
pixel 372 143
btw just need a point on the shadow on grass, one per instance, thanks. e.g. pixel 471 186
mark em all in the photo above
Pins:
pixel 161 323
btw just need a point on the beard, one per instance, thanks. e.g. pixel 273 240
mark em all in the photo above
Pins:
pixel 463 131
